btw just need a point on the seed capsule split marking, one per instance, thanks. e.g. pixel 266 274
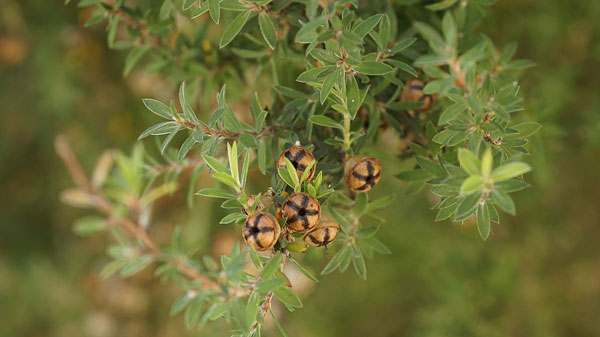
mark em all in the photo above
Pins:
pixel 303 212
pixel 413 92
pixel 363 173
pixel 324 233
pixel 295 159
pixel 370 179
pixel 261 230
pixel 300 157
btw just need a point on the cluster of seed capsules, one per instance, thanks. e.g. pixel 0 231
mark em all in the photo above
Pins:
pixel 302 211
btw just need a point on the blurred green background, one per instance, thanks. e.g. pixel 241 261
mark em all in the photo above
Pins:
pixel 538 275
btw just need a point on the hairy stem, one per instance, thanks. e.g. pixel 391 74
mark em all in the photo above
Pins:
pixel 346 132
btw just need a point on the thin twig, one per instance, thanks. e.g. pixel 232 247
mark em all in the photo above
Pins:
pixel 266 131
pixel 126 224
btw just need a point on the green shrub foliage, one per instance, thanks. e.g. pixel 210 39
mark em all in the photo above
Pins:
pixel 331 76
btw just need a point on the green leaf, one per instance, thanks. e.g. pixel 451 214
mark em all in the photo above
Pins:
pixel 285 175
pixel 511 185
pixel 90 225
pixel 234 28
pixel 402 66
pixel 135 265
pixel 446 212
pixel 328 84
pixel 188 112
pixel 414 175
pixel 519 64
pixel 508 52
pixel 289 92
pixel 245 167
pixel 298 247
pixel 525 129
pixel 336 260
pixel 169 138
pixel 133 57
pixel 193 312
pixel 303 270
pixel 262 156
pixel 248 140
pixel 483 222
pixel 438 6
pixel 215 164
pixel 325 121
pixel 233 5
pixel 380 203
pixel 373 68
pixel 311 75
pixel 269 285
pixel 232 154
pixel 384 31
pixel 226 179
pixel 353 96
pixel 469 161
pixel 471 185
pixel 431 166
pixel 96 18
pixel 376 245
pixel 232 217
pixel 403 44
pixel 359 262
pixel 288 297
pixel 493 212
pixel 307 33
pixel 113 25
pixel 187 4
pixel 467 206
pixel 363 28
pixel 180 304
pixel 449 29
pixel 271 266
pixel 367 232
pixel 307 171
pixel 267 29
pixel 214 6
pixel 510 170
pixel 432 36
pixel 486 162
pixel 187 145
pixel 215 193
pixel 451 112
pixel 157 107
pixel 360 204
pixel 504 201
pixel 111 268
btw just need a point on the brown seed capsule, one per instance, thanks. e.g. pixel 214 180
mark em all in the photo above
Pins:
pixel 413 92
pixel 362 173
pixel 261 231
pixel 302 211
pixel 300 158
pixel 250 200
pixel 324 233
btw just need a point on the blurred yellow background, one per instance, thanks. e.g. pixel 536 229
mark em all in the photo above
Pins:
pixel 538 274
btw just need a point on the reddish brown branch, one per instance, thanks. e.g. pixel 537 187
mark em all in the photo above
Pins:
pixel 269 130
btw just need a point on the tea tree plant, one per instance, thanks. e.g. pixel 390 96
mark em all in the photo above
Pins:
pixel 342 73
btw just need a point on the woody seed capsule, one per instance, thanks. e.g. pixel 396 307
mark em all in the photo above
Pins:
pixel 302 211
